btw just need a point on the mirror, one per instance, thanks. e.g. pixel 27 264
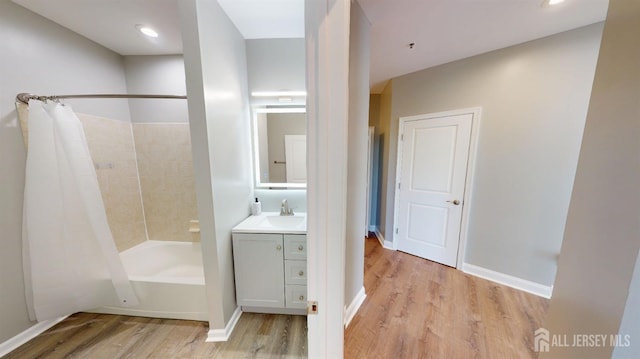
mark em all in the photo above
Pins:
pixel 280 147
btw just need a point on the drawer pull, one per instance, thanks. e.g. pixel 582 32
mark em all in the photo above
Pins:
pixel 301 273
pixel 301 297
pixel 278 247
pixel 300 247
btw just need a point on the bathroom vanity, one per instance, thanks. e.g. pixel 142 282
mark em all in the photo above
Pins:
pixel 270 263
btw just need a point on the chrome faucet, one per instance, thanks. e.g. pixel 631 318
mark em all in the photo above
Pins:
pixel 285 210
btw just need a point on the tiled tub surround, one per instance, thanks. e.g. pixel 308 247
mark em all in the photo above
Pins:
pixel 165 166
pixel 164 171
pixel 113 153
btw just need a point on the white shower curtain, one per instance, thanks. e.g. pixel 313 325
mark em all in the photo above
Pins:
pixel 70 260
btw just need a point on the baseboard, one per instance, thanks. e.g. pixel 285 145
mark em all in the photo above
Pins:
pixel 222 335
pixel 380 237
pixel 352 309
pixel 508 280
pixel 383 243
pixel 388 245
pixel 30 333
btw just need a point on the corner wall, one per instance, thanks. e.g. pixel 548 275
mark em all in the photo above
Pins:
pixel 357 156
pixel 602 235
pixel 534 100
pixel 216 73
pixel 157 74
pixel 42 57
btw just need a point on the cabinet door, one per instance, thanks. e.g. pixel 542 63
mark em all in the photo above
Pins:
pixel 259 269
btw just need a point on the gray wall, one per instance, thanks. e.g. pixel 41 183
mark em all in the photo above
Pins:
pixel 216 73
pixel 601 240
pixel 358 130
pixel 162 75
pixel 534 100
pixel 41 57
pixel 630 325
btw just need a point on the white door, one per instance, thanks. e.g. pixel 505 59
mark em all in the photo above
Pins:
pixel 433 153
pixel 295 153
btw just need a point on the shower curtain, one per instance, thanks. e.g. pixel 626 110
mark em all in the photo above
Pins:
pixel 70 260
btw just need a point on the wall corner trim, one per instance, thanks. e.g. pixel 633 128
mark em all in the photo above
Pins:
pixel 384 243
pixel 352 309
pixel 13 343
pixel 222 335
pixel 508 280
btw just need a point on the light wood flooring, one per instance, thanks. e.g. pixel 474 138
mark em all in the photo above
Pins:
pixel 414 309
pixel 103 336
pixel 420 309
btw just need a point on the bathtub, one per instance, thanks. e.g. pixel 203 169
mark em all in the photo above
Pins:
pixel 168 280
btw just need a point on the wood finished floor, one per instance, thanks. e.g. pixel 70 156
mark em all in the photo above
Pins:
pixel 420 309
pixel 103 336
pixel 414 309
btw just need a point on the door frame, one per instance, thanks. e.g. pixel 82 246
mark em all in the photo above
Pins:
pixel 468 185
pixel 372 131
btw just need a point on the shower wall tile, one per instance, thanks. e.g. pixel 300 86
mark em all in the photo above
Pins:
pixel 165 166
pixel 113 152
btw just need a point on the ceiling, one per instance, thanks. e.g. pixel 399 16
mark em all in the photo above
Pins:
pixel 442 30
pixel 449 30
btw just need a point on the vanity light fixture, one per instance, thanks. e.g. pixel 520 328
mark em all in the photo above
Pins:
pixel 278 93
pixel 551 2
pixel 147 30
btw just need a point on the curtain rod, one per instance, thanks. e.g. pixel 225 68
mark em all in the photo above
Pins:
pixel 25 97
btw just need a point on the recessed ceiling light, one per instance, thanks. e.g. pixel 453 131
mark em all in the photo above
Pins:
pixel 551 2
pixel 147 30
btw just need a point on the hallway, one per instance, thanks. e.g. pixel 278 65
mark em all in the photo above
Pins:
pixel 416 308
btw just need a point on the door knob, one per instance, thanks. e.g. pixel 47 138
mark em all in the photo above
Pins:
pixel 455 202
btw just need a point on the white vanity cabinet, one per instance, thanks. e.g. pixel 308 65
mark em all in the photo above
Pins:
pixel 271 272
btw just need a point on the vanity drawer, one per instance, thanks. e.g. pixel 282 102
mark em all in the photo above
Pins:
pixel 296 296
pixel 295 272
pixel 295 246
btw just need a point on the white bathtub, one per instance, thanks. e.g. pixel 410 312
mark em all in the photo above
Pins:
pixel 168 280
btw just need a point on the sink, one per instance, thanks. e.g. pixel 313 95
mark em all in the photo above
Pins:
pixel 272 222
pixel 283 221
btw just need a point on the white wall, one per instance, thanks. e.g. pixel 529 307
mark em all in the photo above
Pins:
pixel 156 75
pixel 41 57
pixel 271 200
pixel 216 73
pixel 602 235
pixel 534 100
pixel 327 78
pixel 275 65
pixel 357 155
